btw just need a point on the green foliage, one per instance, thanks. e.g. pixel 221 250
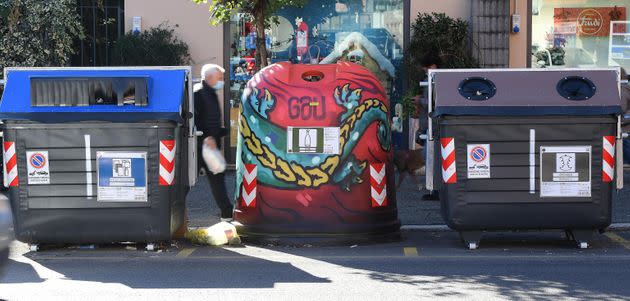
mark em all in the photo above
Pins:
pixel 435 34
pixel 157 46
pixel 38 33
pixel 222 10
pixel 557 56
pixel 409 105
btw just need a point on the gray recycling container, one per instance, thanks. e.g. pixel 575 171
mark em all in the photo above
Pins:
pixel 525 149
pixel 98 155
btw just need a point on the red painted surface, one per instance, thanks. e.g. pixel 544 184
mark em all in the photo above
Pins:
pixel 328 208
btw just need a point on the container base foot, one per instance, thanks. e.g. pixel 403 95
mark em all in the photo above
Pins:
pixel 151 247
pixel 33 248
pixel 471 238
pixel 581 237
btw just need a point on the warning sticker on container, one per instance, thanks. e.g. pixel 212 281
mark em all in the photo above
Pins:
pixel 315 140
pixel 478 161
pixel 122 176
pixel 565 171
pixel 37 168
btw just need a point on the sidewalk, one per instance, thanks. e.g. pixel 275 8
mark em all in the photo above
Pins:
pixel 202 210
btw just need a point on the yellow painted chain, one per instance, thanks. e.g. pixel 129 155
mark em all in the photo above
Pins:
pixel 293 172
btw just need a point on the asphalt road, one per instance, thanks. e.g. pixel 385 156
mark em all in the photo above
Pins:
pixel 423 265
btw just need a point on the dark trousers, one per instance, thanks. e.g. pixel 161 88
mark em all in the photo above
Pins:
pixel 217 185
pixel 217 182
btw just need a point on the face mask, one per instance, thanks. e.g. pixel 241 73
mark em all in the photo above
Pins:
pixel 218 85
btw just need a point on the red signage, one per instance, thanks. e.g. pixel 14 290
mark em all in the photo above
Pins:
pixel 589 21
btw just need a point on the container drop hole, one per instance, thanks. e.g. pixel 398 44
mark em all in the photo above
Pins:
pixel 576 88
pixel 477 88
pixel 312 76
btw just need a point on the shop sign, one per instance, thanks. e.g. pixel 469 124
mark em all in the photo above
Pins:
pixel 587 21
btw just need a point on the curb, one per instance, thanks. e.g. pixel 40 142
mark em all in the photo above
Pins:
pixel 619 227
pixel 444 228
pixel 425 228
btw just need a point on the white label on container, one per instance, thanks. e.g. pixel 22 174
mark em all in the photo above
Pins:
pixel 37 168
pixel 122 176
pixel 314 140
pixel 565 171
pixel 478 161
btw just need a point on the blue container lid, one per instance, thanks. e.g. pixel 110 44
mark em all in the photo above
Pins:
pixel 165 87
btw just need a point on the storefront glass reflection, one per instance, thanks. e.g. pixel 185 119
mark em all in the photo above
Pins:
pixel 368 32
pixel 580 34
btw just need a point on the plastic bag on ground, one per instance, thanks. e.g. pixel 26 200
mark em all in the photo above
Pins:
pixel 219 234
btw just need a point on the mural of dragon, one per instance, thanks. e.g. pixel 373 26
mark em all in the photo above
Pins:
pixel 265 144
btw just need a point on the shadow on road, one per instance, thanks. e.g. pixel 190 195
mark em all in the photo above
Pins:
pixel 221 268
pixel 19 272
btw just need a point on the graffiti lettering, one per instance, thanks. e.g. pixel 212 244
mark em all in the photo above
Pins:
pixel 307 107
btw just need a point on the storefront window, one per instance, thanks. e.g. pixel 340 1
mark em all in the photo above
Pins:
pixel 580 33
pixel 368 32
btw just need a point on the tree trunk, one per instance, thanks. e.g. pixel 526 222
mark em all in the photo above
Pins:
pixel 261 45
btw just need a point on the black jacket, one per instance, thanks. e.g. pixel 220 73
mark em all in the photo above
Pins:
pixel 208 114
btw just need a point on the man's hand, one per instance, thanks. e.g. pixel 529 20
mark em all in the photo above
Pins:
pixel 210 142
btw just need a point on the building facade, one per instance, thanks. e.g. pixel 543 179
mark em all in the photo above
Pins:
pixel 506 33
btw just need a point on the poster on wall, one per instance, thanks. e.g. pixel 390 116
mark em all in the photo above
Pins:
pixel 589 21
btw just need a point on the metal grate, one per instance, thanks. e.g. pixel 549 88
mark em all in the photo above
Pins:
pixel 58 92
pixel 491 30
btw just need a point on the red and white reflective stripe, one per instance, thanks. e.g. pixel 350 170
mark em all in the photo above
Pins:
pixel 248 192
pixel 10 165
pixel 167 162
pixel 378 185
pixel 608 160
pixel 449 173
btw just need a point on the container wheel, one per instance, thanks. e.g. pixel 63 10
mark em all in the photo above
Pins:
pixel 568 234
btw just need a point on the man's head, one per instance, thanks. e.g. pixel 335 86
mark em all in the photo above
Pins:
pixel 212 74
pixel 430 61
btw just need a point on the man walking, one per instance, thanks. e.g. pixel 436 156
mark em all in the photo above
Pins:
pixel 208 120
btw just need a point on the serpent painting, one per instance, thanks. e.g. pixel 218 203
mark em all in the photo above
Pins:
pixel 314 191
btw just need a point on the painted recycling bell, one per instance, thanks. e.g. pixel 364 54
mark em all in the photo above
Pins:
pixel 314 153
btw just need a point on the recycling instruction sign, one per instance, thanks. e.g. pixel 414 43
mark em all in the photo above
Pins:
pixel 565 171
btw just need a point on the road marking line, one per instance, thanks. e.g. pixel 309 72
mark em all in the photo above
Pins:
pixel 185 252
pixel 410 251
pixel 618 239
